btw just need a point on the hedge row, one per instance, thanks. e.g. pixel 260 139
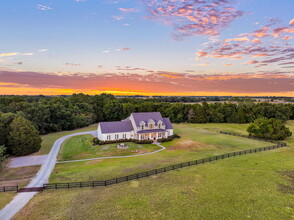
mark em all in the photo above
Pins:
pixel 96 141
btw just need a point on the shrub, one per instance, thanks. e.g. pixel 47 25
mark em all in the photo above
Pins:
pixel 272 129
pixel 170 138
pixel 96 141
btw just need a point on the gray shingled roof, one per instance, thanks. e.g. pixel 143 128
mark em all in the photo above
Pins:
pixel 168 124
pixel 116 126
pixel 145 116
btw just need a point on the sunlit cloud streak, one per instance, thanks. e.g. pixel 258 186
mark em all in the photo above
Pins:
pixel 129 10
pixel 163 81
pixel 194 17
pixel 43 7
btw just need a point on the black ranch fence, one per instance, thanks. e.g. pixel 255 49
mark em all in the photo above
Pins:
pixel 8 188
pixel 251 137
pixel 157 171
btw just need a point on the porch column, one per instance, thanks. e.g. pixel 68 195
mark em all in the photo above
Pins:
pixel 156 136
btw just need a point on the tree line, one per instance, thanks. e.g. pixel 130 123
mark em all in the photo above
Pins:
pixel 51 114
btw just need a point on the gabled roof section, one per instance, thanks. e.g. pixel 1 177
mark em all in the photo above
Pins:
pixel 168 124
pixel 116 126
pixel 146 116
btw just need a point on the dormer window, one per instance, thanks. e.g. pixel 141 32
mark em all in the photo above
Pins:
pixel 151 124
pixel 159 123
pixel 142 125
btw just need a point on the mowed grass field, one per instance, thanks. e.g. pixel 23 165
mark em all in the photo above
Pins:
pixel 81 147
pixel 255 186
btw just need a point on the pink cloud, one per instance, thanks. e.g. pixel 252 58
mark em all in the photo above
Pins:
pixel 266 43
pixel 194 17
pixel 128 9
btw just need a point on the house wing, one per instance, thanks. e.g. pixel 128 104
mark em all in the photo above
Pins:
pixel 116 126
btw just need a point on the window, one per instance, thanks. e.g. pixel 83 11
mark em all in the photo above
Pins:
pixel 159 134
pixel 124 136
pixel 116 136
pixel 142 127
pixel 108 137
pixel 151 126
pixel 159 125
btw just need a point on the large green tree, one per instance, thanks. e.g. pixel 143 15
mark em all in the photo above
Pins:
pixel 272 129
pixel 23 138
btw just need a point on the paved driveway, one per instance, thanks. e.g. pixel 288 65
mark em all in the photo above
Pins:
pixel 27 161
pixel 21 199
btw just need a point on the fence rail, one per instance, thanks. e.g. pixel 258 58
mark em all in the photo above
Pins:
pixel 165 169
pixel 155 171
pixel 8 188
pixel 250 137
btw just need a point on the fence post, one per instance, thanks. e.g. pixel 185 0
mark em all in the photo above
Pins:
pixel 173 167
pixel 55 185
pixel 105 183
pixel 4 189
pixel 17 188
pixel 164 169
pixel 67 185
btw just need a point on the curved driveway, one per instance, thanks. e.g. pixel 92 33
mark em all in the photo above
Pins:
pixel 21 199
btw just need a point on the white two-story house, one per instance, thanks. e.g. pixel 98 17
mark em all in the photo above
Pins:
pixel 140 126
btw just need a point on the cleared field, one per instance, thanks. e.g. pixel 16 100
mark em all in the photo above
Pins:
pixel 81 147
pixel 256 186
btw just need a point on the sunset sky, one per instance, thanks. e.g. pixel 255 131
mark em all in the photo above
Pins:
pixel 147 47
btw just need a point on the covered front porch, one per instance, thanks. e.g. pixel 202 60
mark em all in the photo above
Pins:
pixel 152 134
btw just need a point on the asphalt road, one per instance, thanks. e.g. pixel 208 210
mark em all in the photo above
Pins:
pixel 21 199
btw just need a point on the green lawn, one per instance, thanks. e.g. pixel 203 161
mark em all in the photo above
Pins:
pixel 81 147
pixel 254 186
pixel 49 139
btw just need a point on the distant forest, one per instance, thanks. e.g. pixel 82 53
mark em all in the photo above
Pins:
pixel 51 114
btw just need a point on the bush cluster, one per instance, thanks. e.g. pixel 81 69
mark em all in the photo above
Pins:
pixel 96 141
pixel 170 138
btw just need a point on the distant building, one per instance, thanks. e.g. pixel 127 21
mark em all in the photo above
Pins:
pixel 140 126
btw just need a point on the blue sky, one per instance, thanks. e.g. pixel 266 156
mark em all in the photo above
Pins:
pixel 148 38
